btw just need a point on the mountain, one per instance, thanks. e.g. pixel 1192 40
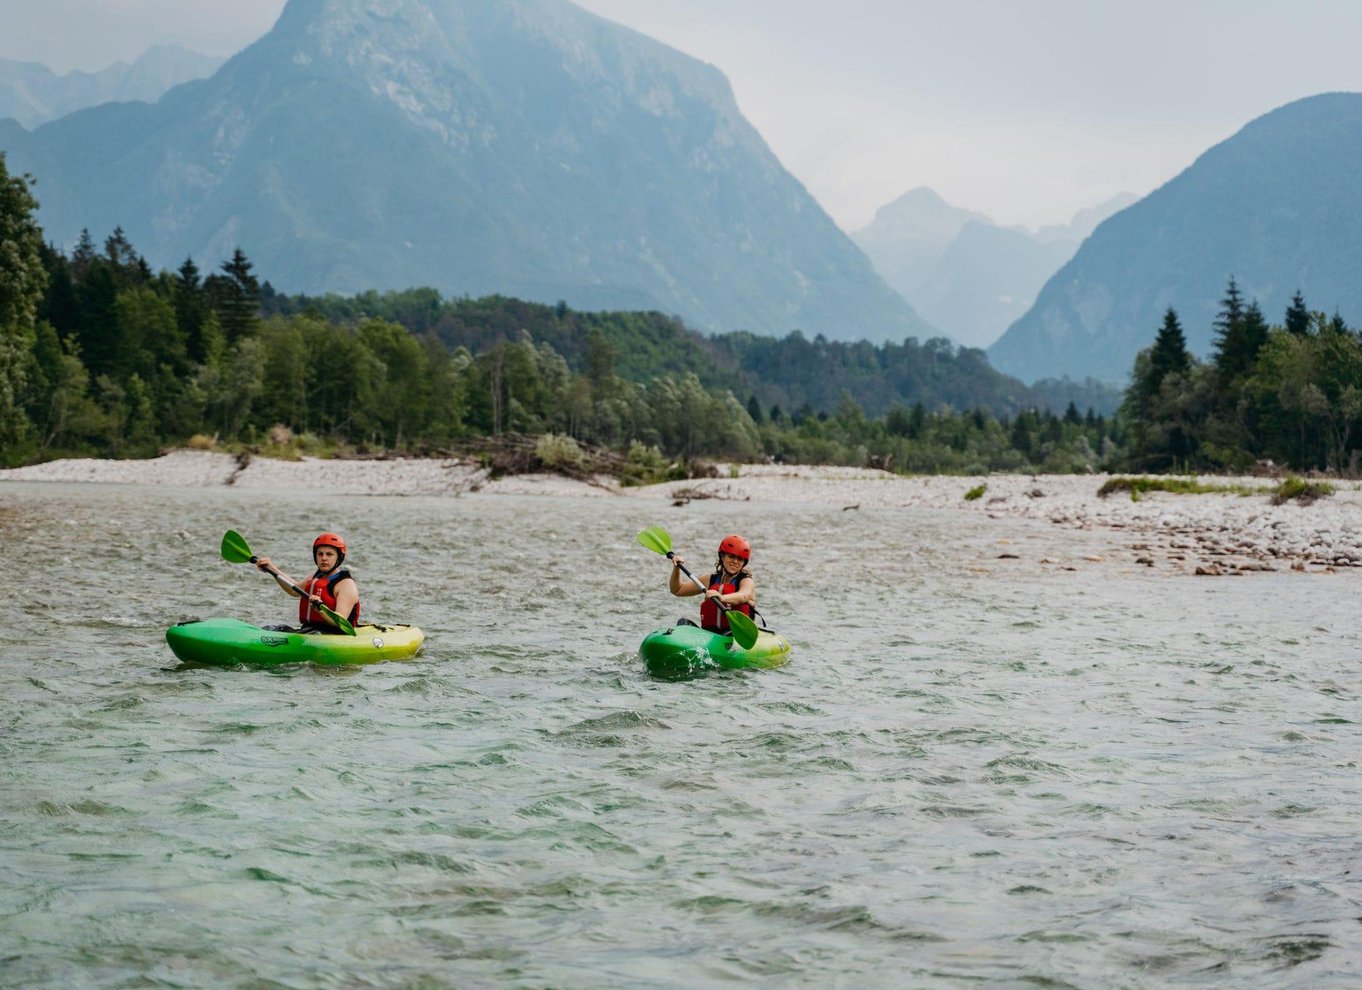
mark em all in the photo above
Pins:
pixel 960 270
pixel 523 147
pixel 33 94
pixel 1277 206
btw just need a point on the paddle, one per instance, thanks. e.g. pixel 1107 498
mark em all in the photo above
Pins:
pixel 656 539
pixel 236 550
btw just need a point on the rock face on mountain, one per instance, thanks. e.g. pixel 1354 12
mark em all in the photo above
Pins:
pixel 523 147
pixel 33 94
pixel 1277 206
pixel 961 271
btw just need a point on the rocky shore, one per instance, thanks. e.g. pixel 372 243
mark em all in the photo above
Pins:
pixel 1205 534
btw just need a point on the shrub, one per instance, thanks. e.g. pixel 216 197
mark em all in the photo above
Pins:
pixel 1301 490
pixel 558 452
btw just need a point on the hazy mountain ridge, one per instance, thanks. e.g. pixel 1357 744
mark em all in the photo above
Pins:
pixel 1277 205
pixel 965 274
pixel 523 147
pixel 33 94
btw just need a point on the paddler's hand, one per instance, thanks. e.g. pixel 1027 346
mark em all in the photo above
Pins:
pixel 264 564
pixel 712 592
pixel 677 561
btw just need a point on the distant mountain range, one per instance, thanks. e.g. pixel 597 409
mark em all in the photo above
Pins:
pixel 1278 206
pixel 33 94
pixel 522 147
pixel 962 272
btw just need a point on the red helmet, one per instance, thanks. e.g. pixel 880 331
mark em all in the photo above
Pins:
pixel 329 540
pixel 737 546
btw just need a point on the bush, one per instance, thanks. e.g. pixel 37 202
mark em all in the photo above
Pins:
pixel 1301 490
pixel 558 452
pixel 975 493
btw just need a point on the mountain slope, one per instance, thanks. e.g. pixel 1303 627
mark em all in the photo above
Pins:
pixel 523 147
pixel 1276 205
pixel 962 272
pixel 32 94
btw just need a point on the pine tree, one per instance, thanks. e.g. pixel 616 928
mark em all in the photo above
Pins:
pixel 1170 355
pixel 1297 319
pixel 22 281
pixel 1241 332
pixel 189 307
pixel 235 296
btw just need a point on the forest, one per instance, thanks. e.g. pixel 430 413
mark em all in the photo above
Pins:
pixel 1287 395
pixel 102 356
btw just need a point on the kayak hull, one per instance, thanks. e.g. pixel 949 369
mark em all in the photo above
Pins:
pixel 231 643
pixel 684 651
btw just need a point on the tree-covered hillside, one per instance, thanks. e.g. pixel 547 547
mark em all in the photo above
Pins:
pixel 792 372
pixel 104 356
pixel 477 146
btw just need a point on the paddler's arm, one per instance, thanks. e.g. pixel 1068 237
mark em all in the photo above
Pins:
pixel 280 578
pixel 347 597
pixel 680 585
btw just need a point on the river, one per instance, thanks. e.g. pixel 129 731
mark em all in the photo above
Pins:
pixel 975 770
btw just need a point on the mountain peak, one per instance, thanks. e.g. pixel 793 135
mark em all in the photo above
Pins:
pixel 520 147
pixel 921 214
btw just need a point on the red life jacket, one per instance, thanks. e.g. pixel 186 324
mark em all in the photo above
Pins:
pixel 324 587
pixel 711 616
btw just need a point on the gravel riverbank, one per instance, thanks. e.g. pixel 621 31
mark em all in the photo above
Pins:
pixel 1207 534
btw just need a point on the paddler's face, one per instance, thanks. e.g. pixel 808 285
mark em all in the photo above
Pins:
pixel 731 564
pixel 326 557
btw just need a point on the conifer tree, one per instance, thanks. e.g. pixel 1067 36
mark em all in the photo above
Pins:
pixel 189 307
pixel 235 296
pixel 22 282
pixel 1297 319
pixel 1170 355
pixel 1241 333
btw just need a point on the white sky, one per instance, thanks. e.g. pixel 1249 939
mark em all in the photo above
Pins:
pixel 1025 110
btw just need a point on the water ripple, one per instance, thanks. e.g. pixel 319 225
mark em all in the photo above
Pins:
pixel 965 776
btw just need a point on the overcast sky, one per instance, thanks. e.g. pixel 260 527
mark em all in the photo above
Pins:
pixel 1025 110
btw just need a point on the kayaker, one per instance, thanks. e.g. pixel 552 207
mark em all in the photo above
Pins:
pixel 331 585
pixel 730 584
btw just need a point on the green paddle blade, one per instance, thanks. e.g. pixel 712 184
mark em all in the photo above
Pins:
pixel 656 539
pixel 234 548
pixel 744 629
pixel 344 626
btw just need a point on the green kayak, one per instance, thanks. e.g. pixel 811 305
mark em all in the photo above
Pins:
pixel 685 651
pixel 230 642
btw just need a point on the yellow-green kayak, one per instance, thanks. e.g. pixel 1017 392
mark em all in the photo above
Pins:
pixel 229 642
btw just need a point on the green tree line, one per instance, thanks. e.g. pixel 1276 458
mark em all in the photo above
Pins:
pixel 1289 393
pixel 792 372
pixel 104 356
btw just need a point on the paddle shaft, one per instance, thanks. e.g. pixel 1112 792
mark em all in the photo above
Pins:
pixel 671 555
pixel 320 606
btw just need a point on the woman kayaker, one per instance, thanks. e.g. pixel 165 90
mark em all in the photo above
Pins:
pixel 331 586
pixel 730 584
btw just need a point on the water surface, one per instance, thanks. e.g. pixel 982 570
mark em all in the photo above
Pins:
pixel 974 771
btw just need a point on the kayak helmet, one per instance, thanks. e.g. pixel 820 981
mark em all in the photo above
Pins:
pixel 737 546
pixel 332 540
